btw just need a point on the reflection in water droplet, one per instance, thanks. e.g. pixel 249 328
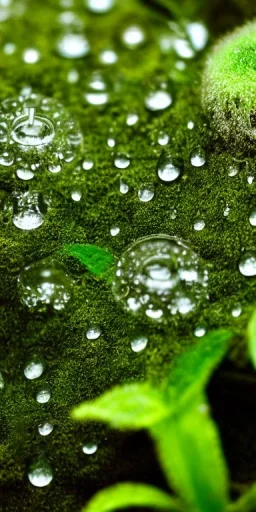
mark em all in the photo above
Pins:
pixel 168 167
pixel 40 473
pixel 199 331
pixel 138 344
pixel 72 46
pixel 29 209
pixel 31 56
pixel 122 161
pixel 99 6
pixel 133 36
pixel 108 57
pixel 197 157
pixel 97 89
pixel 164 270
pixel 158 100
pixel 45 429
pixel 124 188
pixel 90 448
pixel 199 225
pixel 247 264
pixel 93 333
pixel 252 218
pixel 43 396
pixel 1 381
pixel 236 312
pixel 115 230
pixel 24 174
pixel 146 192
pixel 43 284
pixel 33 370
pixel 132 119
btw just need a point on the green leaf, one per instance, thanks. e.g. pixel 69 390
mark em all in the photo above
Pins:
pixel 132 406
pixel 96 259
pixel 252 339
pixel 131 495
pixel 247 502
pixel 193 369
pixel 190 452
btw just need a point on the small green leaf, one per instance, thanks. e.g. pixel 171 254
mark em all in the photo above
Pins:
pixel 246 503
pixel 132 406
pixel 252 339
pixel 131 495
pixel 96 259
pixel 190 453
pixel 193 369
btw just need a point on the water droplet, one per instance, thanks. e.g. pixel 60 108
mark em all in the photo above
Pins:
pixel 108 57
pixel 87 165
pixel 168 167
pixel 9 48
pixel 1 381
pixel 100 6
pixel 199 225
pixel 115 230
pixel 73 76
pixel 28 210
pixel 76 195
pixel 97 89
pixel 199 331
pixel 45 429
pixel 33 370
pixel 233 171
pixel 227 211
pixel 183 48
pixel 72 46
pixel 122 161
pixel 138 344
pixel 40 474
pixel 191 125
pixel 132 119
pixel 24 174
pixel 164 269
pixel 163 139
pixel 250 180
pixel 236 312
pixel 90 448
pixel 252 218
pixel 198 35
pixel 111 142
pixel 197 157
pixel 31 56
pixel 54 168
pixel 43 396
pixel 6 158
pixel 180 65
pixel 124 188
pixel 247 264
pixel 146 192
pixel 133 37
pixel 43 284
pixel 158 100
pixel 93 333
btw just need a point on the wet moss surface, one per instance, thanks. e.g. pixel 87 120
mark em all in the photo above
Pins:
pixel 77 368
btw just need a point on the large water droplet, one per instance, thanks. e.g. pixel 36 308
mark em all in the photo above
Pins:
pixel 90 448
pixel 169 168
pixel 45 429
pixel 43 396
pixel 29 209
pixel 24 174
pixel 33 370
pixel 122 161
pixel 43 284
pixel 197 157
pixel 199 225
pixel 146 192
pixel 158 274
pixel 247 264
pixel 158 99
pixel 198 35
pixel 40 473
pixel 73 46
pixel 93 333
pixel 139 343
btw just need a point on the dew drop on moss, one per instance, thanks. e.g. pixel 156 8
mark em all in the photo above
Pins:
pixel 45 429
pixel 31 55
pixel 72 46
pixel 97 89
pixel 108 57
pixel 90 448
pixel 33 370
pixel 163 139
pixel 1 381
pixel 168 167
pixel 87 165
pixel 93 333
pixel 132 119
pixel 199 331
pixel 133 37
pixel 76 195
pixel 29 209
pixel 160 274
pixel 99 6
pixel 158 99
pixel 122 161
pixel 139 343
pixel 40 473
pixel 197 157
pixel 247 264
pixel 43 396
pixel 236 311
pixel 124 188
pixel 146 192
pixel 252 218
pixel 114 230
pixel 199 225
pixel 24 174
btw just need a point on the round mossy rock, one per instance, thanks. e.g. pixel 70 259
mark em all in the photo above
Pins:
pixel 228 91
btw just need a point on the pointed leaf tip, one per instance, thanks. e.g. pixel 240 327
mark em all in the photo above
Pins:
pixel 96 259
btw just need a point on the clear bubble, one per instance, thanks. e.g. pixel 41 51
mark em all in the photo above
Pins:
pixel 138 344
pixel 99 6
pixel 45 429
pixel 252 218
pixel 197 157
pixel 93 333
pixel 115 230
pixel 87 165
pixel 122 161
pixel 31 56
pixel 33 370
pixel 97 89
pixel 199 225
pixel 90 448
pixel 146 192
pixel 124 188
pixel 169 168
pixel 73 46
pixel 43 396
pixel 108 57
pixel 132 119
pixel 247 264
pixel 236 311
pixel 198 35
pixel 133 36
pixel 199 331
pixel 159 275
pixel 1 381
pixel 157 100
pixel 29 209
pixel 40 473
pixel 43 284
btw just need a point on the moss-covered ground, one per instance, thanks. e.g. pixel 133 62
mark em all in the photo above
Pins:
pixel 77 368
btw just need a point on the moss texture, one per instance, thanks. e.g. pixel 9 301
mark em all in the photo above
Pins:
pixel 77 368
